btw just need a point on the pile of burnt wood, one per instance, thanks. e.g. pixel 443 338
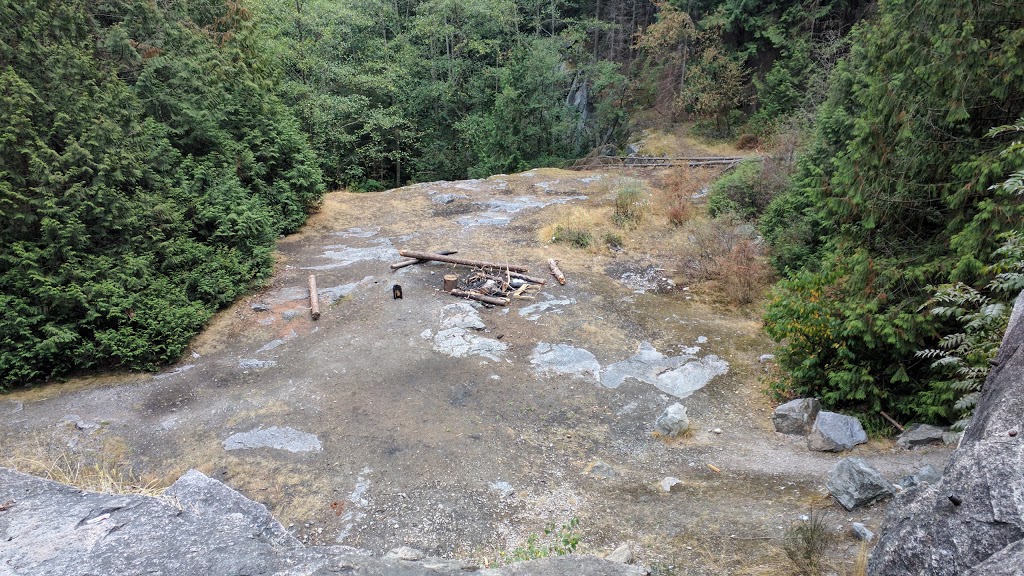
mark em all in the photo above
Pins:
pixel 488 282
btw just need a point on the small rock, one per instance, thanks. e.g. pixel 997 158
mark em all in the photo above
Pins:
pixel 623 555
pixel 260 307
pixel 668 482
pixel 602 469
pixel 919 435
pixel 717 430
pixel 861 531
pixel 289 314
pixel 763 358
pixel 406 553
pixel 446 198
pixel 796 416
pixel 673 421
pixel 854 483
pixel 952 438
pixel 835 432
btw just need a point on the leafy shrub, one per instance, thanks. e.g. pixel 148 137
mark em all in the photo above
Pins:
pixel 964 356
pixel 743 191
pixel 142 193
pixel 630 206
pixel 575 237
pixel 613 241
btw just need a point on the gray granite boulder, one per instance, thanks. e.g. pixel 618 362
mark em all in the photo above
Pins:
pixel 835 432
pixel 972 520
pixel 673 421
pixel 200 527
pixel 854 483
pixel 796 416
pixel 920 435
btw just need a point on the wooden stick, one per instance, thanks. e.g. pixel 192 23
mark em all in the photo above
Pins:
pixel 463 261
pixel 314 298
pixel 533 279
pixel 891 421
pixel 411 261
pixel 555 271
pixel 481 297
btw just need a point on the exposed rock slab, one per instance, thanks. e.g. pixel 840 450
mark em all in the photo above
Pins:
pixel 854 483
pixel 203 527
pixel 835 432
pixel 796 416
pixel 458 337
pixel 283 438
pixel 925 533
pixel 679 376
pixel 565 359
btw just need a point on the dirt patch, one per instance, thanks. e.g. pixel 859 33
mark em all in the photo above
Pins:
pixel 463 429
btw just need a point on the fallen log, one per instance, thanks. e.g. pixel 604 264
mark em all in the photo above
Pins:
pixel 481 297
pixel 555 271
pixel 533 279
pixel 314 299
pixel 463 261
pixel 411 261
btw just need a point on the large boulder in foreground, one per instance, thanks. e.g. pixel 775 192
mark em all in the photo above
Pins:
pixel 204 527
pixel 835 432
pixel 854 483
pixel 971 522
pixel 796 416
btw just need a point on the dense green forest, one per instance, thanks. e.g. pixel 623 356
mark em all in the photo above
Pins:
pixel 153 152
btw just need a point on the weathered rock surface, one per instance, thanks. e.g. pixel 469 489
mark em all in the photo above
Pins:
pixel 925 533
pixel 202 527
pixel 854 483
pixel 673 421
pixel 926 474
pixel 835 432
pixel 920 435
pixel 796 416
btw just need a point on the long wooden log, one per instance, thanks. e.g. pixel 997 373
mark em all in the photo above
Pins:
pixel 411 261
pixel 532 279
pixel 463 261
pixel 555 271
pixel 314 298
pixel 481 297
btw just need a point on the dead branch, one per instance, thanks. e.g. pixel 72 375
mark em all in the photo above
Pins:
pixel 481 297
pixel 463 261
pixel 411 261
pixel 533 279
pixel 555 271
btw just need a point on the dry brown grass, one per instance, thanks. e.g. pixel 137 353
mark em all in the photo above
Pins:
pixel 99 465
pixel 860 564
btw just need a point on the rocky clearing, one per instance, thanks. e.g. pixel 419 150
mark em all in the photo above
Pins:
pixel 459 429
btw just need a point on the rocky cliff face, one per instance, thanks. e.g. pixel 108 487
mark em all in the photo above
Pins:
pixel 972 521
pixel 200 527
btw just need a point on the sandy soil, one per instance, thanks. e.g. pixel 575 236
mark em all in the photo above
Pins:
pixel 385 439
